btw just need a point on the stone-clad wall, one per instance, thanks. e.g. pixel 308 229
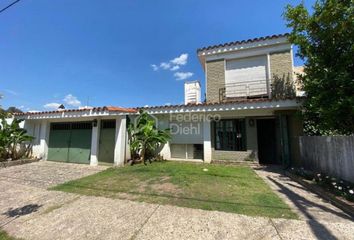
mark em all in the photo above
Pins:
pixel 215 71
pixel 281 64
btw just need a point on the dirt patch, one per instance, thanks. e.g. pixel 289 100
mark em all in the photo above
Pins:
pixel 161 186
pixel 166 188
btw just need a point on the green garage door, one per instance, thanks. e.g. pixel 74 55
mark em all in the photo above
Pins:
pixel 107 141
pixel 70 142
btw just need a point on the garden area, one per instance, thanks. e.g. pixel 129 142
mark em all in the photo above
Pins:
pixel 235 189
pixel 15 143
pixel 12 136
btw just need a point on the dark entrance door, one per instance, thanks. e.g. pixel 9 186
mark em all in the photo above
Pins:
pixel 266 141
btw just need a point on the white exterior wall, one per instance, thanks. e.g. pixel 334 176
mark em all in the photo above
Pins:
pixel 120 147
pixel 207 142
pixel 95 140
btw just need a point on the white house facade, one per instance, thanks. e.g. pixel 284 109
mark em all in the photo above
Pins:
pixel 245 117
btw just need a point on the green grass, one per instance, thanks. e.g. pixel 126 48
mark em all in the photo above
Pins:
pixel 5 236
pixel 235 189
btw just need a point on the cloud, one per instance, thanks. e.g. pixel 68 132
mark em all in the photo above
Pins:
pixel 174 68
pixel 182 75
pixel 181 60
pixel 173 64
pixel 71 100
pixel 154 67
pixel 165 65
pixel 52 105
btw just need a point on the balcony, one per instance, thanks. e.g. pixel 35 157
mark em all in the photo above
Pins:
pixel 247 89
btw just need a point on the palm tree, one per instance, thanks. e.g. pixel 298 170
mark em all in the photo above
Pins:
pixel 145 138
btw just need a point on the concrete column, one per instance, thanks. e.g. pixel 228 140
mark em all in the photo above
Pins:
pixel 207 141
pixel 127 147
pixel 95 141
pixel 120 147
pixel 44 139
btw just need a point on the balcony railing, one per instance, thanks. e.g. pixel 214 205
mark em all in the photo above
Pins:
pixel 247 89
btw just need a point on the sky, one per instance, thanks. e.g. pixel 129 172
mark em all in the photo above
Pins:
pixel 122 53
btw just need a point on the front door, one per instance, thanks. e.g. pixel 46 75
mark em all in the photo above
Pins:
pixel 266 141
pixel 107 141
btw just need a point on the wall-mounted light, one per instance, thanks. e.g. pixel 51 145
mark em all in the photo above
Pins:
pixel 251 122
pixel 94 123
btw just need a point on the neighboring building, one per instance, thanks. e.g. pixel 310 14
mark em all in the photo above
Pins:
pixel 249 114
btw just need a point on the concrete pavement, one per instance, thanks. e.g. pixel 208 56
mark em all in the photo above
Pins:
pixel 29 211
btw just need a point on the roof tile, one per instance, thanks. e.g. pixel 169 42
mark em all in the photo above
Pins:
pixel 243 41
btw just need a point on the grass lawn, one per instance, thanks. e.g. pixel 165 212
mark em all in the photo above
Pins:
pixel 235 189
pixel 5 236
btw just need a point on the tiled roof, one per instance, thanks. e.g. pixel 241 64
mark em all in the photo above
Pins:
pixel 95 109
pixel 135 110
pixel 243 41
pixel 243 100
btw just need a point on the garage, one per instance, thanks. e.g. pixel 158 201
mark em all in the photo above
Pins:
pixel 107 141
pixel 70 142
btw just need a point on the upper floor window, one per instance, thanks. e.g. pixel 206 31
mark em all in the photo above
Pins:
pixel 246 77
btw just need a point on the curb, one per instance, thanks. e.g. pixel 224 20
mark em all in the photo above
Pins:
pixel 333 199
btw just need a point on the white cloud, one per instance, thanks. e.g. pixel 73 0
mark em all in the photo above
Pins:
pixel 165 65
pixel 173 64
pixel 174 68
pixel 182 75
pixel 181 60
pixel 51 105
pixel 72 100
pixel 154 67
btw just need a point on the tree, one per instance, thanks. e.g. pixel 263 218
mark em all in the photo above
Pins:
pixel 11 137
pixel 13 110
pixel 325 43
pixel 145 138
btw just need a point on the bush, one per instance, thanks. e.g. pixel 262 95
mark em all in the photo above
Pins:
pixel 13 139
pixel 334 185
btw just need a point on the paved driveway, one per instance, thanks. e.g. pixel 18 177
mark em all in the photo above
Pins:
pixel 29 211
pixel 44 174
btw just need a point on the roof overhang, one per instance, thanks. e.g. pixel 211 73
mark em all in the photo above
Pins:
pixel 286 104
pixel 246 48
pixel 78 113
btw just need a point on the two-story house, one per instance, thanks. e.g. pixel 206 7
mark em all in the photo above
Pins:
pixel 249 113
pixel 251 100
